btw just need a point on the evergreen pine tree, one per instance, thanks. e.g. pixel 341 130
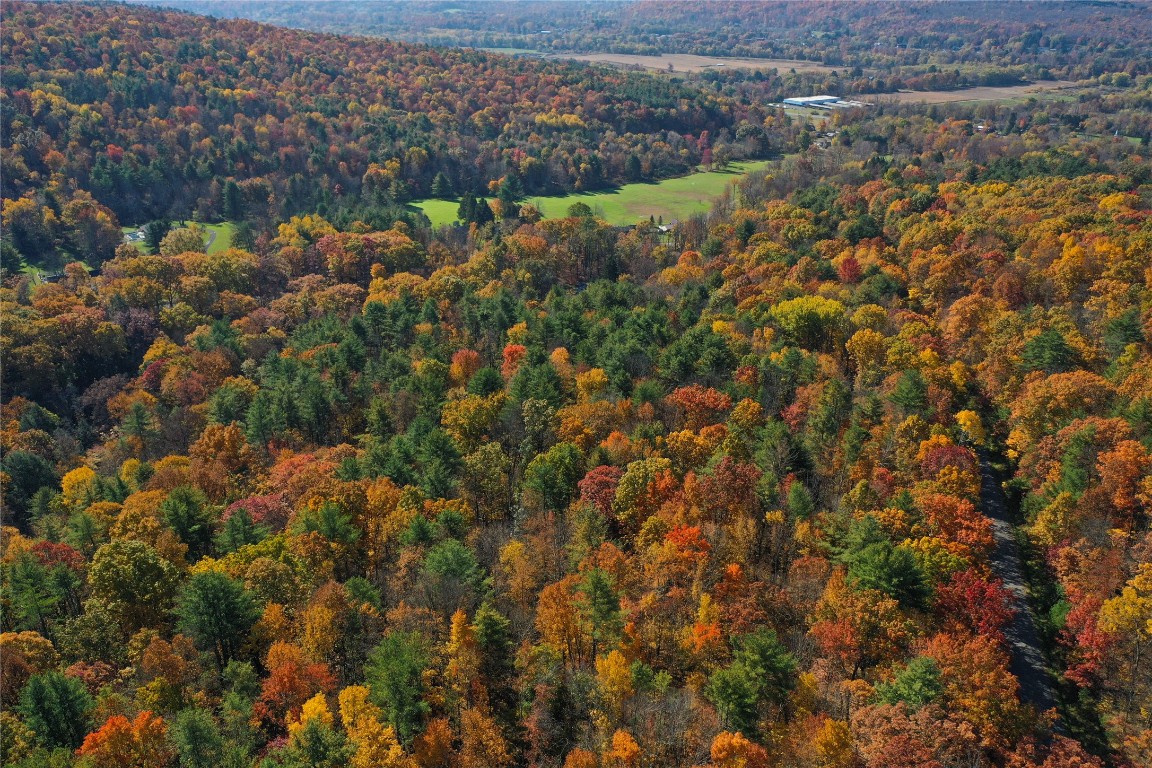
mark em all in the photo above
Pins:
pixel 442 187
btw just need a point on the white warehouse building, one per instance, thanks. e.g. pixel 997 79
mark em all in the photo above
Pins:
pixel 810 101
pixel 823 102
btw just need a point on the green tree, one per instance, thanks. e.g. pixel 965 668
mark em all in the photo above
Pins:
pixel 244 237
pixel 264 419
pixel 911 392
pixel 762 672
pixel 800 504
pixel 482 212
pixel 439 462
pixel 239 530
pixel 579 210
pixel 466 211
pixel 189 239
pixel 497 660
pixel 442 187
pixel 453 575
pixel 1049 352
pixel 26 588
pixel 316 745
pixel 217 612
pixel 154 234
pixel 197 739
pixel 11 260
pixel 538 382
pixel 379 419
pixel 486 381
pixel 874 563
pixel 139 423
pixel 419 531
pixel 135 581
pixel 599 606
pixel 916 684
pixel 56 708
pixel 698 355
pixel 511 190
pixel 1123 330
pixel 232 201
pixel 331 522
pixel 187 514
pixel 228 404
pixel 732 690
pixel 552 475
pixel 632 168
pixel 862 227
pixel 94 635
pixel 813 322
pixel 27 473
pixel 775 667
pixel 395 676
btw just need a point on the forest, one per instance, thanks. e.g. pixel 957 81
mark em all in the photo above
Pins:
pixel 118 115
pixel 901 45
pixel 551 493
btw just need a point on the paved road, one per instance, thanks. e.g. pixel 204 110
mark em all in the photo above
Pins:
pixel 211 239
pixel 1027 662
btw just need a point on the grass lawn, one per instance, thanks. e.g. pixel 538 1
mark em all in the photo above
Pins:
pixel 439 212
pixel 670 199
pixel 220 242
pixel 138 243
pixel 223 239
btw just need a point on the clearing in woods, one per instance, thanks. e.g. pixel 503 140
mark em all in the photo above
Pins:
pixel 687 62
pixel 983 93
pixel 670 199
pixel 218 237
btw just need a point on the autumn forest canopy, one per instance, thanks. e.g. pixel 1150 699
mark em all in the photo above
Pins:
pixel 156 114
pixel 852 471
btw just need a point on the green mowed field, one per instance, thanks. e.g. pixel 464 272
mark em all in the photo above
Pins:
pixel 219 236
pixel 223 239
pixel 670 200
pixel 439 212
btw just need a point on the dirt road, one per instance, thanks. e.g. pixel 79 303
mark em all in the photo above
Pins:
pixel 1027 662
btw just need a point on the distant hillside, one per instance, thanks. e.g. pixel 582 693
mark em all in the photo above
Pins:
pixel 1039 40
pixel 161 113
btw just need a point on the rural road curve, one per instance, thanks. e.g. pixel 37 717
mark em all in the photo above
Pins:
pixel 1027 660
pixel 211 239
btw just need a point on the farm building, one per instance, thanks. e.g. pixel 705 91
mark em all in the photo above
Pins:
pixel 823 102
pixel 810 101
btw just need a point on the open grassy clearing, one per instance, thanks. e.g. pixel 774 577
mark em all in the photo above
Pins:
pixel 508 51
pixel 223 239
pixel 219 237
pixel 439 212
pixel 687 62
pixel 670 200
pixel 989 93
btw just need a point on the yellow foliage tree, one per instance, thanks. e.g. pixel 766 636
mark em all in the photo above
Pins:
pixel 734 750
pixel 591 384
pixel 833 745
pixel 1129 616
pixel 581 758
pixel 624 752
pixel 375 743
pixel 316 708
pixel 463 659
pixel 969 421
pixel 614 675
pixel 78 487
pixel 482 745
